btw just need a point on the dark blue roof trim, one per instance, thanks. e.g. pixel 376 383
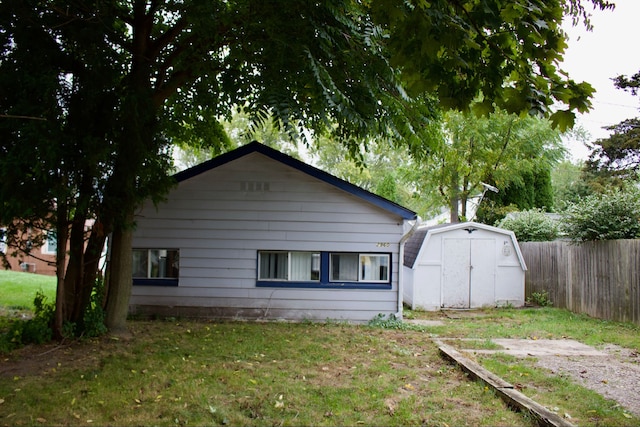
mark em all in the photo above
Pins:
pixel 256 147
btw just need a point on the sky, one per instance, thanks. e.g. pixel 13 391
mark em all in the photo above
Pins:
pixel 609 50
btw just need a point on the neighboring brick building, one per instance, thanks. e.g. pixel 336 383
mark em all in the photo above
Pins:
pixel 41 260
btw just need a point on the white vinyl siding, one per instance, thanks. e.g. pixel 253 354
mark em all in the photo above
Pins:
pixel 219 222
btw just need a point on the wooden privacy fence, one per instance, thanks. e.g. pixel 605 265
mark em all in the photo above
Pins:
pixel 600 279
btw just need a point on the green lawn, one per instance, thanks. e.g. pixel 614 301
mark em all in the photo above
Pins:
pixel 177 372
pixel 17 289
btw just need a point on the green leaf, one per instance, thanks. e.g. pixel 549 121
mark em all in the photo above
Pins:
pixel 563 120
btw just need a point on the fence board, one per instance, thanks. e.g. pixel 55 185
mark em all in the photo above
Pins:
pixel 600 279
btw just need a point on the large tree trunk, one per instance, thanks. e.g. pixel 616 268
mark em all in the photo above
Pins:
pixel 75 272
pixel 133 170
pixel 81 273
pixel 62 237
pixel 463 207
pixel 120 281
pixel 454 217
pixel 454 199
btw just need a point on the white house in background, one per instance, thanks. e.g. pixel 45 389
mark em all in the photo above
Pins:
pixel 256 234
pixel 463 265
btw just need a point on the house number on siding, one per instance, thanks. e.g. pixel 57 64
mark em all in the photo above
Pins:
pixel 383 244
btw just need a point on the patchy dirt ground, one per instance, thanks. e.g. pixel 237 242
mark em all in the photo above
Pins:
pixel 40 359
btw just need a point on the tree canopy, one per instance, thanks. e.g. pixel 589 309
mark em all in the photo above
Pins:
pixel 615 159
pixel 93 93
pixel 512 153
pixel 618 156
pixel 507 50
pixel 569 184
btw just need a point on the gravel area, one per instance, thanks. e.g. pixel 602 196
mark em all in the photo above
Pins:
pixel 612 371
pixel 615 376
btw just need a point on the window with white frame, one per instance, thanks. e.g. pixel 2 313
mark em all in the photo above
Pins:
pixel 3 240
pixel 288 266
pixel 50 245
pixel 156 263
pixel 355 267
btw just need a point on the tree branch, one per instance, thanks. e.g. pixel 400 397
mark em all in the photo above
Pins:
pixel 14 116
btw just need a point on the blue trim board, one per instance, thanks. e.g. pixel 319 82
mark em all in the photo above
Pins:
pixel 324 272
pixel 318 285
pixel 155 281
pixel 256 147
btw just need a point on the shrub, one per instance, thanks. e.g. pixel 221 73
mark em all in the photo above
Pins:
pixel 531 226
pixel 94 316
pixel 391 322
pixel 608 216
pixel 36 330
pixel 540 299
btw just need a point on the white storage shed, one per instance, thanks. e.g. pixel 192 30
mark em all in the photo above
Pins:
pixel 463 265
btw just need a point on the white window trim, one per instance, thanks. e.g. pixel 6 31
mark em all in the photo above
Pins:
pixel 388 265
pixel 3 240
pixel 45 246
pixel 289 266
pixel 150 266
pixel 360 278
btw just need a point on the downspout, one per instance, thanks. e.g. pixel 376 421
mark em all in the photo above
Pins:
pixel 404 238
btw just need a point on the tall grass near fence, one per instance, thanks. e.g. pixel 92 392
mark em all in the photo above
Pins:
pixel 600 279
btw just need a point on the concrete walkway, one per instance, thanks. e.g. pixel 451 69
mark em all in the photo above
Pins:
pixel 529 347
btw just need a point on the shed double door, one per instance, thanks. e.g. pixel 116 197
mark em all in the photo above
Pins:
pixel 468 273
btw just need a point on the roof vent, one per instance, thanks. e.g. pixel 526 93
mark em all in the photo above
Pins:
pixel 254 186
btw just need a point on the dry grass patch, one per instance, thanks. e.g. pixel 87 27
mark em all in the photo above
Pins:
pixel 203 373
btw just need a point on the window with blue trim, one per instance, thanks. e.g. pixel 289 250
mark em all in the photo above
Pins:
pixel 289 266
pixel 324 269
pixel 355 267
pixel 156 267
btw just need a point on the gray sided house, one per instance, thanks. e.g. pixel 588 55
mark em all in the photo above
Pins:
pixel 256 234
pixel 463 265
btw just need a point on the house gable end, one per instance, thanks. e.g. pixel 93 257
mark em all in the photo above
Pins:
pixel 256 147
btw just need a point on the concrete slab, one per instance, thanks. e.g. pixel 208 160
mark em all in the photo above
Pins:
pixel 524 347
pixel 506 391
